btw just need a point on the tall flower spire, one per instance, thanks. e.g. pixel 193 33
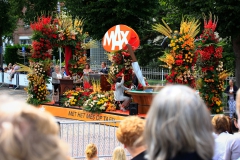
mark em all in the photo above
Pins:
pixel 211 23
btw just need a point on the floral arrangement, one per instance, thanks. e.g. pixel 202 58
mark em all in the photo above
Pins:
pixel 37 89
pixel 121 64
pixel 70 33
pixel 180 57
pixel 212 72
pixel 71 98
pixel 44 36
pixel 100 101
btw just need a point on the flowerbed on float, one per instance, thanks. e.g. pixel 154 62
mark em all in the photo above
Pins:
pixel 180 58
pixel 213 75
pixel 91 99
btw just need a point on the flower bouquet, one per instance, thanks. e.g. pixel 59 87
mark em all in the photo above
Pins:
pixel 99 101
pixel 71 98
pixel 180 58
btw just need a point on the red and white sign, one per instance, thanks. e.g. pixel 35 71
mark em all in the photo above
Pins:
pixel 117 37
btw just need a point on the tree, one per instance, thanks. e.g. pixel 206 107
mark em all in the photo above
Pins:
pixel 228 12
pixel 100 15
pixel 36 8
pixel 10 11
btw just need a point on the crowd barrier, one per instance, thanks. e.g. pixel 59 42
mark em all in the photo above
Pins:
pixel 18 80
pixel 78 134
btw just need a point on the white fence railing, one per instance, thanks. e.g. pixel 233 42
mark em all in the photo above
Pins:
pixel 18 80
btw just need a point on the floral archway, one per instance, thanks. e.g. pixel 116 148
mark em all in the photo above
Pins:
pixel 62 31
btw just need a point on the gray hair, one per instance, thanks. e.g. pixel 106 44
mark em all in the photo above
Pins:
pixel 178 121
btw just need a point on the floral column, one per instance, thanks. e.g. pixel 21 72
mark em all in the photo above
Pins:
pixel 212 73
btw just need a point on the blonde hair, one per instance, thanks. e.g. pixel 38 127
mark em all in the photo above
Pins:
pixel 178 121
pixel 119 154
pixel 27 133
pixel 91 151
pixel 130 131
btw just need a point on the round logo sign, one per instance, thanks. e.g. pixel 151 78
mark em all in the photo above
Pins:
pixel 117 37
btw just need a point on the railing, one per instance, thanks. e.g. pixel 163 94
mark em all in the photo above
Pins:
pixel 78 134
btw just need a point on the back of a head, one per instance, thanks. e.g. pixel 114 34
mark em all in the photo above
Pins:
pixel 130 131
pixel 220 124
pixel 234 122
pixel 119 154
pixel 178 122
pixel 119 79
pixel 29 134
pixel 91 151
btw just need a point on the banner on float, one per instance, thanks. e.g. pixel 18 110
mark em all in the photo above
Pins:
pixel 1 77
pixel 6 79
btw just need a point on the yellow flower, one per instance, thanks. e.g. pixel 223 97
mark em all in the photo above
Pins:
pixel 217 110
pixel 218 103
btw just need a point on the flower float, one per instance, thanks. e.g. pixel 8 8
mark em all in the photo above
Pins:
pixel 180 58
pixel 213 75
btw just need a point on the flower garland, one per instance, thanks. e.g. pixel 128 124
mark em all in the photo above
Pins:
pixel 37 89
pixel 212 73
pixel 44 36
pixel 121 64
pixel 180 58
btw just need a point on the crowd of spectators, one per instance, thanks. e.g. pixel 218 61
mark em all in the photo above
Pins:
pixel 178 126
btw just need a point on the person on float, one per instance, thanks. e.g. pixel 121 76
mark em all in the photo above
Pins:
pixel 134 81
pixel 119 93
pixel 64 72
pixel 231 91
pixel 135 66
pixel 85 76
pixel 56 76
pixel 104 69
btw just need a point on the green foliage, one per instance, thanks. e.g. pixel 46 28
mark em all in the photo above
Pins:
pixel 11 55
pixel 103 14
pixel 36 8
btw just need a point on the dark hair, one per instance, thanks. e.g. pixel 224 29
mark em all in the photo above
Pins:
pixel 104 63
pixel 62 67
pixel 87 65
pixel 233 127
pixel 119 79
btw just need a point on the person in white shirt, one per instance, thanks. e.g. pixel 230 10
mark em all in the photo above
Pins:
pixel 55 78
pixel 119 93
pixel 221 127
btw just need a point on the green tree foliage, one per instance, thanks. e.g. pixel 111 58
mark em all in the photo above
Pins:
pixel 228 12
pixel 35 8
pixel 101 15
pixel 11 54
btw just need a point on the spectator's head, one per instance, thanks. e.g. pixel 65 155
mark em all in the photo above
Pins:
pixel 91 151
pixel 220 124
pixel 28 133
pixel 103 64
pixel 5 69
pixel 57 69
pixel 119 79
pixel 230 82
pixel 178 121
pixel 87 66
pixel 234 123
pixel 9 65
pixel 129 133
pixel 119 154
